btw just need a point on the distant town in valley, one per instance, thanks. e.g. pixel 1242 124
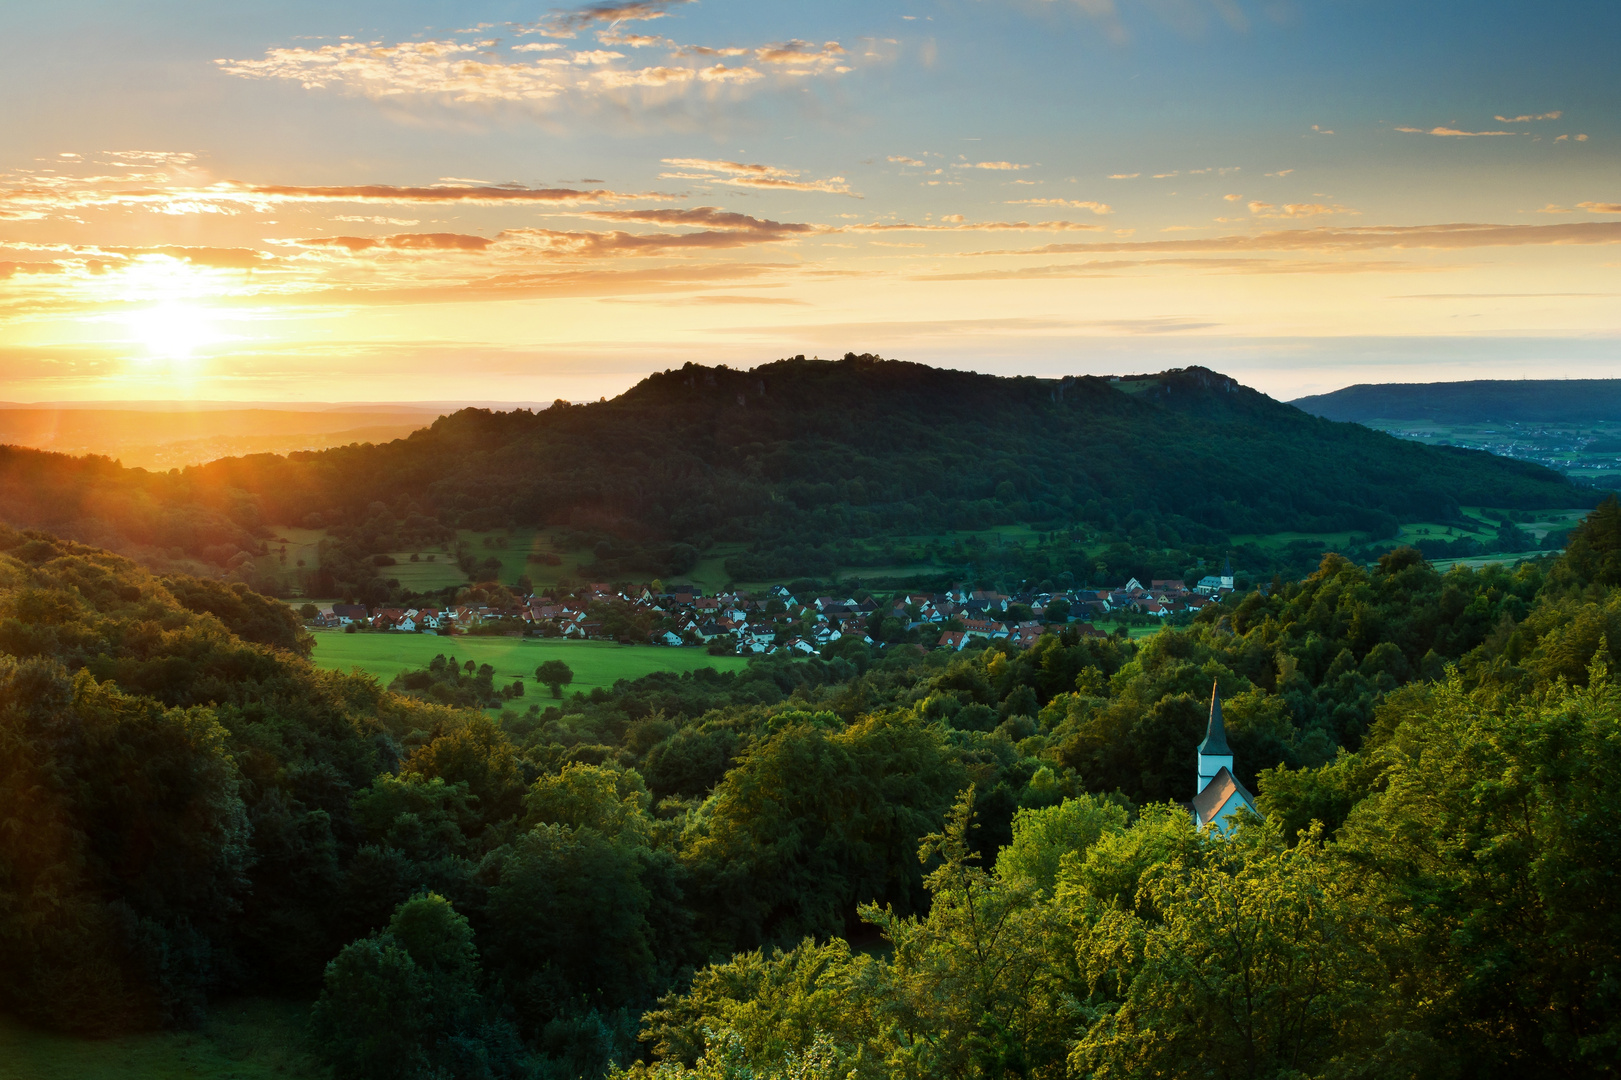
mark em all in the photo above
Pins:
pixel 753 624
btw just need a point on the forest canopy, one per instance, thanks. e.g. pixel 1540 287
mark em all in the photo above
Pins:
pixel 805 461
pixel 874 862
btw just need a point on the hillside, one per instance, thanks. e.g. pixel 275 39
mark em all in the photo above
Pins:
pixel 798 457
pixel 1569 401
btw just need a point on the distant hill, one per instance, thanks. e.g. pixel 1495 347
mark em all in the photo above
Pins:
pixel 1483 400
pixel 151 435
pixel 805 460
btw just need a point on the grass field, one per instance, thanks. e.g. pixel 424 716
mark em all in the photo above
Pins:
pixel 594 663
pixel 245 1040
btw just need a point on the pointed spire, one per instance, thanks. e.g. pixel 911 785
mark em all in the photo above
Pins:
pixel 1215 738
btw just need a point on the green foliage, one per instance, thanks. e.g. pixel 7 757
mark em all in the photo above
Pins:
pixel 1043 837
pixel 404 1003
pixel 817 819
pixel 569 918
pixel 1430 896
pixel 125 843
pixel 555 674
pixel 1488 847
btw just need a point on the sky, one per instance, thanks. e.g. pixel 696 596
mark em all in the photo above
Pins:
pixel 413 200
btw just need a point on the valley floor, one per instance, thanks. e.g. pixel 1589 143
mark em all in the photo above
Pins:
pixel 255 1039
pixel 594 663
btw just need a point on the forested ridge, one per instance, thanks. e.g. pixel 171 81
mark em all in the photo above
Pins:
pixel 804 460
pixel 1565 401
pixel 868 863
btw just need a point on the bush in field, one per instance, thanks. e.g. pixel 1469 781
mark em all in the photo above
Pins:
pixel 405 1003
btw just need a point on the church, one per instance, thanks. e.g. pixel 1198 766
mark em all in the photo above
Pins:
pixel 1220 795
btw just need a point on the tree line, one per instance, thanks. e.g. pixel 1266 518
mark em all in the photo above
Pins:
pixel 870 862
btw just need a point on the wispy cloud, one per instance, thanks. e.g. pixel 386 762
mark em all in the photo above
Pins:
pixel 744 174
pixel 1097 268
pixel 1449 237
pixel 1453 133
pixel 1601 207
pixel 1073 204
pixel 955 223
pixel 1295 210
pixel 38 197
pixel 569 23
pixel 746 299
pixel 398 242
pixel 995 166
pixel 1124 175
pixel 1526 118
pixel 544 76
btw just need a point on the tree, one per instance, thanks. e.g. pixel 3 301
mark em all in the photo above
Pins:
pixel 555 674
pixel 1239 957
pixel 1488 852
pixel 404 1003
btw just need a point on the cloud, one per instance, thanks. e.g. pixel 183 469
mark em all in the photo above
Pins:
pixel 1527 118
pixel 742 174
pixel 707 217
pixel 400 242
pixel 151 157
pixel 461 73
pixel 1119 267
pixel 569 23
pixel 1447 132
pixel 1295 210
pixel 997 166
pixel 1601 207
pixel 1124 176
pixel 35 198
pixel 734 299
pixel 1448 237
pixel 1073 204
pixel 954 223
pixel 914 162
pixel 1232 197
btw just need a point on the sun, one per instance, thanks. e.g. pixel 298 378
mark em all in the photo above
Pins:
pixel 174 330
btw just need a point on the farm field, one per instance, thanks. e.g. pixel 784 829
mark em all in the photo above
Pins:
pixel 243 1040
pixel 1584 451
pixel 594 663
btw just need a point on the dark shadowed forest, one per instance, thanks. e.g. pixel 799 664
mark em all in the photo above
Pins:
pixel 868 863
pixel 806 467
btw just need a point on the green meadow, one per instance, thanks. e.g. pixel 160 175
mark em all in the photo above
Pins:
pixel 594 663
pixel 259 1039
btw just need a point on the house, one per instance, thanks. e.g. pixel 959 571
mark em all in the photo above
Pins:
pixel 1027 635
pixel 669 637
pixel 348 613
pixel 1220 796
pixel 953 640
pixel 1086 629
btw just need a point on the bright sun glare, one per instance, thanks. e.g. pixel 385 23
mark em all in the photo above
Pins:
pixel 172 331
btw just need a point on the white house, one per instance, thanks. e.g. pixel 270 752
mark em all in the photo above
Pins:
pixel 1220 796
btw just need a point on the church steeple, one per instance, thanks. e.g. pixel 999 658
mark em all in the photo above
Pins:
pixel 1214 754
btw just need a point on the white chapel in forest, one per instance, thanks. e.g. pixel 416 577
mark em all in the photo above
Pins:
pixel 1219 794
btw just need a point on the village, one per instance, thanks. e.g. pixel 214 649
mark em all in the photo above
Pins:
pixel 775 619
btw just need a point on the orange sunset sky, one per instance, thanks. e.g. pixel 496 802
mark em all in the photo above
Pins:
pixel 495 201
